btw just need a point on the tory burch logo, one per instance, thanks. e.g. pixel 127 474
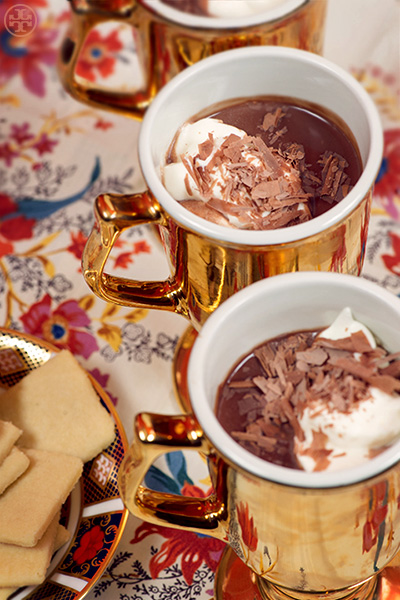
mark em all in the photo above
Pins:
pixel 20 20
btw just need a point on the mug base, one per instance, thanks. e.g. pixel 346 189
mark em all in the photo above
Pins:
pixel 179 368
pixel 234 580
pixel 365 591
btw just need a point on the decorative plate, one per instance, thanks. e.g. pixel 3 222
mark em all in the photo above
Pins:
pixel 94 513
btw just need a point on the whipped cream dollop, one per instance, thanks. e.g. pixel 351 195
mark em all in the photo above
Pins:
pixel 178 178
pixel 230 178
pixel 356 433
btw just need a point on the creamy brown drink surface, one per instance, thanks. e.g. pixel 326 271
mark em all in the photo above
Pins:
pixel 283 163
pixel 223 8
pixel 270 398
pixel 195 7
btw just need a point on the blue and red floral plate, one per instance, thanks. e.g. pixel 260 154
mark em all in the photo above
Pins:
pixel 94 514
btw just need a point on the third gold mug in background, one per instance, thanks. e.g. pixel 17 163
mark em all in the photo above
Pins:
pixel 168 40
pixel 208 262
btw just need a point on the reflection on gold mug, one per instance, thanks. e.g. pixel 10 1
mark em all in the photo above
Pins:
pixel 305 535
pixel 169 40
pixel 209 262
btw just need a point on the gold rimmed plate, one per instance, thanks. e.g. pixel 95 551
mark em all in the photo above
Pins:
pixel 94 513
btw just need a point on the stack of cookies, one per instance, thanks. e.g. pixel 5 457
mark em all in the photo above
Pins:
pixel 51 422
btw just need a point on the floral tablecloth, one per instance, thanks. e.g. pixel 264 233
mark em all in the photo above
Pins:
pixel 56 155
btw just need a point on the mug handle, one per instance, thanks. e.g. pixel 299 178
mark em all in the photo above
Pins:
pixel 133 104
pixel 115 213
pixel 155 435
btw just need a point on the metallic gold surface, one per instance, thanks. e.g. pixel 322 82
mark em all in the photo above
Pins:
pixel 166 48
pixel 235 581
pixel 365 591
pixel 155 435
pixel 302 542
pixel 180 366
pixel 205 272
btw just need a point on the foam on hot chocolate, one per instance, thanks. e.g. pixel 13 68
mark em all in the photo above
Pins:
pixel 324 400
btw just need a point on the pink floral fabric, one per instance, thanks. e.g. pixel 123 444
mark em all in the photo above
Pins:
pixel 56 156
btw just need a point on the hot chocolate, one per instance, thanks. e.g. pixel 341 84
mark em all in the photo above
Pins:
pixel 223 8
pixel 314 400
pixel 264 163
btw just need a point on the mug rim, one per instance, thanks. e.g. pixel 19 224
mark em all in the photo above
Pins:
pixel 226 446
pixel 219 23
pixel 315 226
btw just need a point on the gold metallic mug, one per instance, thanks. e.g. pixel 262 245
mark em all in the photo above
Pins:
pixel 320 535
pixel 169 40
pixel 209 262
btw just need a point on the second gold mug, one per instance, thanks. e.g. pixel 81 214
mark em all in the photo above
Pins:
pixel 307 536
pixel 168 40
pixel 208 262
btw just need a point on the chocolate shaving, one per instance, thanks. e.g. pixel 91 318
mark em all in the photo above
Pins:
pixel 315 356
pixel 356 342
pixel 272 119
pixel 266 189
pixel 246 383
pixel 318 451
pixel 278 134
pixel 206 148
pixel 333 175
pixel 392 369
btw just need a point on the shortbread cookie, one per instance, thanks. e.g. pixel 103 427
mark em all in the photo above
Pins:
pixel 9 434
pixel 58 410
pixel 62 537
pixel 27 566
pixel 29 505
pixel 28 560
pixel 12 467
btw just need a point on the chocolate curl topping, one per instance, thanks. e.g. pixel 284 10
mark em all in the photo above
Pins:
pixel 303 369
pixel 333 176
pixel 272 182
pixel 252 176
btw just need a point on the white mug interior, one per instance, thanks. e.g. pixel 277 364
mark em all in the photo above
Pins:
pixel 274 10
pixel 250 72
pixel 269 308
